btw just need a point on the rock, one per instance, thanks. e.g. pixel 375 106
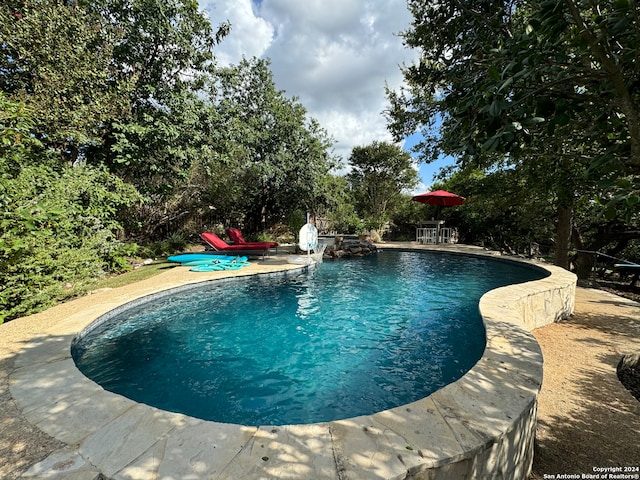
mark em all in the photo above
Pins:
pixel 350 246
pixel 629 374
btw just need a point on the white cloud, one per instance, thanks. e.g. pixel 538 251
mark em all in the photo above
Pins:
pixel 334 55
pixel 251 35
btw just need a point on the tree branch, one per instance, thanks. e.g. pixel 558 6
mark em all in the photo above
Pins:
pixel 625 100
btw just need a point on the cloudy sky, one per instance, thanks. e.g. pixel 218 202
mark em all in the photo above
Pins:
pixel 334 55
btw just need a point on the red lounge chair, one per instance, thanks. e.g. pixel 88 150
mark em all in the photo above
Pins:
pixel 237 239
pixel 221 246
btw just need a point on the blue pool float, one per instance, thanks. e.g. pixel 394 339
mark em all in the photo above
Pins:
pixel 195 263
pixel 192 257
pixel 235 264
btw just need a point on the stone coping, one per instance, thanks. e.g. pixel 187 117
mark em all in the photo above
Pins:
pixel 479 426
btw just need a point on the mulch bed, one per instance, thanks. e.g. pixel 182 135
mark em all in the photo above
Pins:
pixel 630 377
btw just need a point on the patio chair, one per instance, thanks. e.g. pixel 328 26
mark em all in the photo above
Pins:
pixel 445 235
pixel 236 238
pixel 250 248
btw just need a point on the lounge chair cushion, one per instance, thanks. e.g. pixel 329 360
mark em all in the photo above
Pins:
pixel 218 244
pixel 237 239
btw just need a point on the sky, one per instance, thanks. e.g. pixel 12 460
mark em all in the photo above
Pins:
pixel 335 56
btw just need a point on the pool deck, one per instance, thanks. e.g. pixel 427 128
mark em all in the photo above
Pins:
pixel 91 432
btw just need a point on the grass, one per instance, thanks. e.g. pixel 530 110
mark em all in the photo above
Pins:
pixel 142 273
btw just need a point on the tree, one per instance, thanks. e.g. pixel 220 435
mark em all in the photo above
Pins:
pixel 58 233
pixel 166 51
pixel 502 210
pixel 56 58
pixel 543 86
pixel 340 208
pixel 58 226
pixel 274 156
pixel 380 172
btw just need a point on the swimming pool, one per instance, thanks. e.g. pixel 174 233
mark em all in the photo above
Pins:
pixel 345 339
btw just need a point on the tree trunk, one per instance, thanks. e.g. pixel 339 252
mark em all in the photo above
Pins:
pixel 563 237
pixel 584 261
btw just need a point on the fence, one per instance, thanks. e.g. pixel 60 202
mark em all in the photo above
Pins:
pixel 606 267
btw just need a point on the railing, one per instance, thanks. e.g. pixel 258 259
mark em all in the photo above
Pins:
pixel 609 262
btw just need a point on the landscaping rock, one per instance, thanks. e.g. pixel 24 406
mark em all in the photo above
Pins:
pixel 350 246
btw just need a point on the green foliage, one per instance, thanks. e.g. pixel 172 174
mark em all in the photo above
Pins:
pixel 545 88
pixel 15 128
pixel 57 234
pixel 380 172
pixel 295 220
pixel 56 58
pixel 165 45
pixel 546 78
pixel 165 53
pixel 340 208
pixel 406 216
pixel 264 237
pixel 155 151
pixel 103 101
pixel 502 210
pixel 175 243
pixel 271 159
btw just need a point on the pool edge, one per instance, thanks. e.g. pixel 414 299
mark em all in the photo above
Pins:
pixel 481 425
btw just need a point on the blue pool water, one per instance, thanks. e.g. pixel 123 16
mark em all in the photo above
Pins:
pixel 348 338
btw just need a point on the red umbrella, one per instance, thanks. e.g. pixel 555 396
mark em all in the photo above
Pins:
pixel 441 198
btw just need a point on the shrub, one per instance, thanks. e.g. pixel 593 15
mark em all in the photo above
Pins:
pixel 57 234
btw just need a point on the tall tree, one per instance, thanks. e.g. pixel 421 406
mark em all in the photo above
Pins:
pixel 379 173
pixel 538 84
pixel 57 58
pixel 277 154
pixel 166 51
pixel 58 227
